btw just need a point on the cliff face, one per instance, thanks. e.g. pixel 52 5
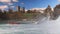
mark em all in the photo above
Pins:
pixel 57 9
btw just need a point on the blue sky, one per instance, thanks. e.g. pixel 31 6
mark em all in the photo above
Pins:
pixel 39 3
pixel 29 4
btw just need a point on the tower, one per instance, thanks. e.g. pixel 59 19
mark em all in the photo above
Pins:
pixel 23 9
pixel 18 8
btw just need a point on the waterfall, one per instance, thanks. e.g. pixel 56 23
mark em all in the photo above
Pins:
pixel 47 19
pixel 43 26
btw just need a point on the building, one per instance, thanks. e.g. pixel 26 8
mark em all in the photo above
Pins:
pixel 18 8
pixel 23 9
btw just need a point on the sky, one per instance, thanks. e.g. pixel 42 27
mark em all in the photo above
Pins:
pixel 28 4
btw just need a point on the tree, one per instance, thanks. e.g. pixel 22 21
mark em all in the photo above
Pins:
pixel 29 11
pixel 1 14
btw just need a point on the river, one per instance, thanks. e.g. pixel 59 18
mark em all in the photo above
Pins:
pixel 44 26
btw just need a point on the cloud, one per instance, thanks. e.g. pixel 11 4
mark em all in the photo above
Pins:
pixel 15 0
pixel 3 7
pixel 12 6
pixel 9 3
pixel 5 0
pixel 8 0
pixel 37 8
pixel 59 0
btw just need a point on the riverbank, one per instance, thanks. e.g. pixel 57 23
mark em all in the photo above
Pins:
pixel 23 21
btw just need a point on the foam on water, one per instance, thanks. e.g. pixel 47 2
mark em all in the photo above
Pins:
pixel 44 26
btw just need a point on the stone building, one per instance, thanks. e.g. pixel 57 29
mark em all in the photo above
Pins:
pixel 21 9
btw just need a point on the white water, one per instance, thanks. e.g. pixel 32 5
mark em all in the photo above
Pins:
pixel 44 26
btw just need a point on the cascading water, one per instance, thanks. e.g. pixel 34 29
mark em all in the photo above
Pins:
pixel 43 26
